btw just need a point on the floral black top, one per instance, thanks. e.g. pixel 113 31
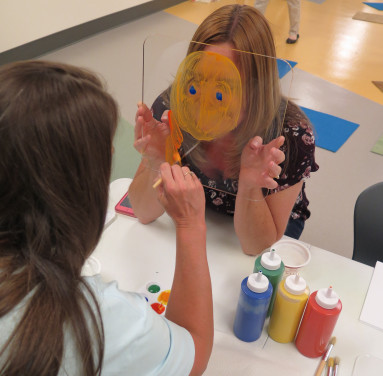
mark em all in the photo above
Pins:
pixel 220 193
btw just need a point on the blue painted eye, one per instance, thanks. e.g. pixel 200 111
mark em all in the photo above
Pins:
pixel 218 95
pixel 192 90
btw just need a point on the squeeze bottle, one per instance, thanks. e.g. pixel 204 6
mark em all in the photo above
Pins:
pixel 271 265
pixel 290 302
pixel 318 322
pixel 252 307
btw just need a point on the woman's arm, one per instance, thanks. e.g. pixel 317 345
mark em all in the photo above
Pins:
pixel 259 221
pixel 150 141
pixel 183 199
pixel 259 224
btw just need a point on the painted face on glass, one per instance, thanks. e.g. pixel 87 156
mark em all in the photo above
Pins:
pixel 206 95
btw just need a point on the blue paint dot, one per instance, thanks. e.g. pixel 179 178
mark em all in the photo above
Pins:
pixel 192 90
pixel 218 95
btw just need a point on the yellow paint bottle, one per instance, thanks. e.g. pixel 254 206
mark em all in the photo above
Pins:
pixel 290 302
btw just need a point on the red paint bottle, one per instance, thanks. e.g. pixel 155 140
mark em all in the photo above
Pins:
pixel 318 322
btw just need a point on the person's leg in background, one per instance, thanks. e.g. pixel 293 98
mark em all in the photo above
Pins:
pixel 261 5
pixel 295 17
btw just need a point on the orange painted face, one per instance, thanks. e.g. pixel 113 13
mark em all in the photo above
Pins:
pixel 206 95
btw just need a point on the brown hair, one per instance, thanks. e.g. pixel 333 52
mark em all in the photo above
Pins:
pixel 56 129
pixel 247 30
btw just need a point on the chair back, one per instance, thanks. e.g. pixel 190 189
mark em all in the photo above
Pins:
pixel 368 226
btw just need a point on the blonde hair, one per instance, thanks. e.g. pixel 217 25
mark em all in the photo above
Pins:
pixel 247 30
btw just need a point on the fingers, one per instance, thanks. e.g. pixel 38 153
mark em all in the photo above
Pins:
pixel 166 173
pixel 176 176
pixel 255 142
pixel 277 154
pixel 279 141
pixel 144 111
pixel 144 115
pixel 141 144
pixel 165 117
pixel 269 182
pixel 182 175
pixel 274 170
pixel 273 148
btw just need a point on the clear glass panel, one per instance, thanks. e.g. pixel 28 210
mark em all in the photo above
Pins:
pixel 219 99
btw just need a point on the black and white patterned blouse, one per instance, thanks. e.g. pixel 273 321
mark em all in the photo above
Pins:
pixel 220 193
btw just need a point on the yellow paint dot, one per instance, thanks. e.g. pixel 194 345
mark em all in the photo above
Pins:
pixel 163 298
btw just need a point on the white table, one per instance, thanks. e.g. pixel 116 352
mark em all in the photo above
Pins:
pixel 134 254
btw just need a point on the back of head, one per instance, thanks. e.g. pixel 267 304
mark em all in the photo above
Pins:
pixel 56 129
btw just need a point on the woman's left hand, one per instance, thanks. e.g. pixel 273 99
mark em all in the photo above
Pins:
pixel 260 163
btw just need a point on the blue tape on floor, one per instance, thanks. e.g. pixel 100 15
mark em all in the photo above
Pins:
pixel 378 6
pixel 331 132
pixel 284 68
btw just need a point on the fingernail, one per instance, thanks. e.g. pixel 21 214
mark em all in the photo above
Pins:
pixel 255 144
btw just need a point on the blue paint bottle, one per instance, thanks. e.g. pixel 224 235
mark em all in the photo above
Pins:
pixel 253 303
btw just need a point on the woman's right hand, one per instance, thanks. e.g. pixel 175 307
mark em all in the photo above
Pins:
pixel 150 135
pixel 182 196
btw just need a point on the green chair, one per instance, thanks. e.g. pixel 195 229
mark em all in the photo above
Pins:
pixel 125 158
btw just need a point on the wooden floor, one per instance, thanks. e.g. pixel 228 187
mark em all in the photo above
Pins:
pixel 332 45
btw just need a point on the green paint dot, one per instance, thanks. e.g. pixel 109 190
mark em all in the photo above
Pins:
pixel 154 289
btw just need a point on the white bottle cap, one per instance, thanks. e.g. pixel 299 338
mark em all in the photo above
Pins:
pixel 257 282
pixel 327 298
pixel 270 260
pixel 295 284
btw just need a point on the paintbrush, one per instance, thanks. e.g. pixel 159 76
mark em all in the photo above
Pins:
pixel 336 365
pixel 330 367
pixel 325 356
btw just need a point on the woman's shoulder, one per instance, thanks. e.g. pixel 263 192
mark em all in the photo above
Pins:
pixel 300 145
pixel 296 118
pixel 297 128
pixel 109 294
pixel 132 327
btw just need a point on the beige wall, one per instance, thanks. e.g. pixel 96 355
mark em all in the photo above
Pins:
pixel 23 21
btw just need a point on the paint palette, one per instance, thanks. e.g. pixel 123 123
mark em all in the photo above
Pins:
pixel 156 296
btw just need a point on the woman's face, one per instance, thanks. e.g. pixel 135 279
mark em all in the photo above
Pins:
pixel 226 49
pixel 206 97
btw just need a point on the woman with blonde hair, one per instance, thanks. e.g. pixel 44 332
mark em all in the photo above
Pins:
pixel 57 124
pixel 255 172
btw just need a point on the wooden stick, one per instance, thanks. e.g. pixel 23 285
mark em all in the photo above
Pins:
pixel 157 183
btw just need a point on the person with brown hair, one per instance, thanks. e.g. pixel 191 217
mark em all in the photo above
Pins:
pixel 57 124
pixel 256 172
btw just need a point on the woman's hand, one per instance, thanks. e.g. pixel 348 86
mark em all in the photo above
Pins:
pixel 150 135
pixel 182 196
pixel 260 163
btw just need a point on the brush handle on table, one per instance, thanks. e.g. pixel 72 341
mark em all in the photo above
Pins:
pixel 320 367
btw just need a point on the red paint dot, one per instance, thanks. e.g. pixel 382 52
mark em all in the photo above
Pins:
pixel 158 307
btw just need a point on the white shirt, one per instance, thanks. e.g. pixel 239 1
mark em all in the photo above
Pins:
pixel 138 341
